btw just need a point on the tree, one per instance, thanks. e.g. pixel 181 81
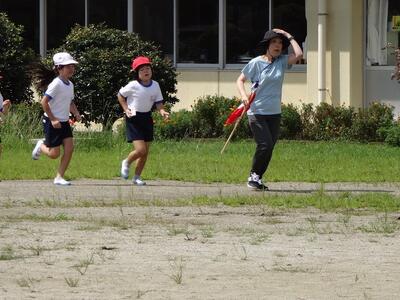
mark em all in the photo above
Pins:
pixel 105 57
pixel 14 59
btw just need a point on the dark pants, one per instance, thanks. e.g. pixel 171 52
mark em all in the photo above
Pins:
pixel 265 129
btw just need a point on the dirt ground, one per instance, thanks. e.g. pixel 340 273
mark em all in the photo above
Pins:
pixel 54 244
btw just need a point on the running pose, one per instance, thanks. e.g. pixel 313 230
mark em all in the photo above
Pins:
pixel 136 99
pixel 57 104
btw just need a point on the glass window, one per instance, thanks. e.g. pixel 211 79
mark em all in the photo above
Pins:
pixel 61 17
pixel 112 13
pixel 393 29
pixel 154 21
pixel 24 13
pixel 290 15
pixel 197 31
pixel 383 32
pixel 246 23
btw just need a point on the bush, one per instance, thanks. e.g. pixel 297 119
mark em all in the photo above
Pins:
pixel 332 122
pixel 179 125
pixel 290 122
pixel 392 135
pixel 13 61
pixel 369 124
pixel 105 57
pixel 209 115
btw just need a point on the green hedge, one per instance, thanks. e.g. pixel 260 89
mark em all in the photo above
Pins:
pixel 308 122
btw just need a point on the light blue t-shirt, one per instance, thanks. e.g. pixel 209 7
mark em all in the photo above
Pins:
pixel 270 78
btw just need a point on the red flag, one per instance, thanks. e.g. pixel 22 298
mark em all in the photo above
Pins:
pixel 241 109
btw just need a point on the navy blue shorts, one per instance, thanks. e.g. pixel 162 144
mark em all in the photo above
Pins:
pixel 140 127
pixel 54 136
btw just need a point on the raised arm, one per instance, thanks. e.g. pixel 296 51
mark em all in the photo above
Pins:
pixel 297 52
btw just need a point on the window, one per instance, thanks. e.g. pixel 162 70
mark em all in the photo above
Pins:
pixel 24 13
pixel 383 30
pixel 246 23
pixel 153 20
pixel 61 17
pixel 248 20
pixel 112 13
pixel 197 35
pixel 289 15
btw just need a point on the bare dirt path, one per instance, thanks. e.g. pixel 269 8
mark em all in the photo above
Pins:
pixel 48 251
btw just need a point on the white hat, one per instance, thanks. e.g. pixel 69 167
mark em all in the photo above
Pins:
pixel 63 58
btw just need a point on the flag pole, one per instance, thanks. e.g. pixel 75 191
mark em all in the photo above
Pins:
pixel 233 130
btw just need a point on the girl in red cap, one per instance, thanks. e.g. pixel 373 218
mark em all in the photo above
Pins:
pixel 4 107
pixel 136 99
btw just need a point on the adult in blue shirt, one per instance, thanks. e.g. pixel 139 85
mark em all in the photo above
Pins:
pixel 264 113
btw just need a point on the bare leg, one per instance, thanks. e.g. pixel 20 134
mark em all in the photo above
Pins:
pixel 52 153
pixel 141 161
pixel 68 144
pixel 139 153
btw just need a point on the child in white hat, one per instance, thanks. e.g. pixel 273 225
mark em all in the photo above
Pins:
pixel 57 104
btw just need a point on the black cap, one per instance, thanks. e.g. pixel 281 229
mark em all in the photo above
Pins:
pixel 269 35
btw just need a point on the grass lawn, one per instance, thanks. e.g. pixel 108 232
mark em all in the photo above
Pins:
pixel 201 161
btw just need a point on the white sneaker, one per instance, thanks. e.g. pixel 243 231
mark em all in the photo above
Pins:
pixel 138 181
pixel 36 151
pixel 125 169
pixel 61 181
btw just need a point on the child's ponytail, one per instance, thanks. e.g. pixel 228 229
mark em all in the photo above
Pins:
pixel 42 76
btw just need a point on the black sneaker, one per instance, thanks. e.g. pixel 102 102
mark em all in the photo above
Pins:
pixel 257 185
pixel 253 185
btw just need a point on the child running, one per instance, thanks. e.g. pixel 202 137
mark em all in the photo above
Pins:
pixel 136 99
pixel 57 104
pixel 4 107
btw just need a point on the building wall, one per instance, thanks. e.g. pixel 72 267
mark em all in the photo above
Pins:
pixel 344 55
pixel 344 63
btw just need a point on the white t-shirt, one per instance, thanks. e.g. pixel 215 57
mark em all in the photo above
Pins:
pixel 61 95
pixel 140 97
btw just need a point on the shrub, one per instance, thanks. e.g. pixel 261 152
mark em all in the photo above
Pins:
pixel 13 61
pixel 290 122
pixel 370 123
pixel 209 115
pixel 332 122
pixel 392 135
pixel 179 125
pixel 104 57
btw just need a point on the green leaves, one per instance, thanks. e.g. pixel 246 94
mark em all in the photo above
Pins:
pixel 15 56
pixel 105 55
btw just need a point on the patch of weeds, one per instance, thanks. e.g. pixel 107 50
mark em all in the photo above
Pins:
pixel 177 266
pixel 383 225
pixel 8 253
pixel 207 231
pixel 36 249
pixel 259 238
pixel 27 282
pixel 84 264
pixel 72 282
pixel 89 227
pixel 173 231
pixel 295 231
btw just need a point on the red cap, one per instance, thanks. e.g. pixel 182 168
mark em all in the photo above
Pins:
pixel 140 61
